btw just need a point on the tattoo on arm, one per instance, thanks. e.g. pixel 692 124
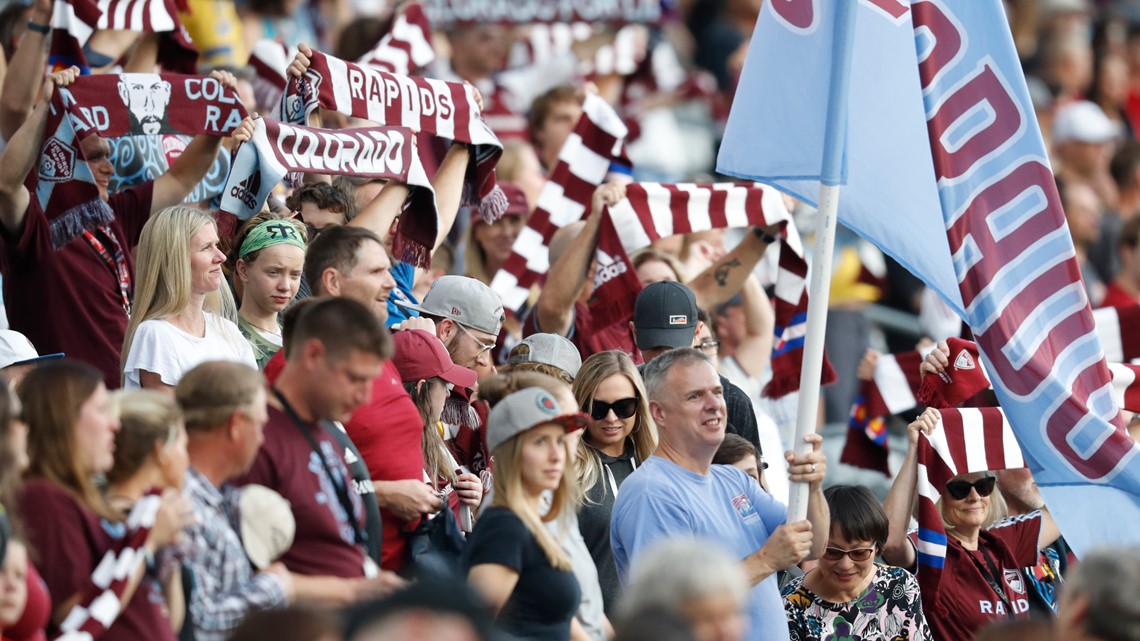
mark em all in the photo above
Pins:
pixel 721 272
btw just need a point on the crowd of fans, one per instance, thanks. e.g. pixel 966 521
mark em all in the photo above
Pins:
pixel 284 430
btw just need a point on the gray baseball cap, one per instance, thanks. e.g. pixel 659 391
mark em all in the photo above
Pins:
pixel 550 349
pixel 665 315
pixel 526 409
pixel 465 301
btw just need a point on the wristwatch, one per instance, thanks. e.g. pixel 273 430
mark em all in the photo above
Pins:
pixel 39 28
pixel 764 236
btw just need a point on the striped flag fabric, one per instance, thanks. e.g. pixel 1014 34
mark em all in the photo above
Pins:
pixel 583 164
pixel 75 21
pixel 968 440
pixel 406 48
pixel 651 211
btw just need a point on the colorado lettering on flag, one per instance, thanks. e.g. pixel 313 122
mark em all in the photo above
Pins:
pixel 947 173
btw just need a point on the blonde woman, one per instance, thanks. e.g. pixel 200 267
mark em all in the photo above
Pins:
pixel 619 436
pixel 511 558
pixel 181 311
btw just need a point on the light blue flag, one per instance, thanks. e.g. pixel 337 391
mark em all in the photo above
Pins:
pixel 946 172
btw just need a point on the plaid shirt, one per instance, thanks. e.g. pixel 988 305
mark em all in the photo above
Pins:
pixel 225 588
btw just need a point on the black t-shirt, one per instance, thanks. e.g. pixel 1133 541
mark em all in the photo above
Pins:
pixel 545 598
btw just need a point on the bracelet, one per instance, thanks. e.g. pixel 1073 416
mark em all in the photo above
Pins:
pixel 39 28
pixel 764 236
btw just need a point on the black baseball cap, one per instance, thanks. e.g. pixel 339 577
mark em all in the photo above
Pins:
pixel 665 315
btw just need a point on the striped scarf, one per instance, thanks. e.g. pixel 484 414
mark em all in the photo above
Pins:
pixel 444 109
pixel 74 21
pixel 102 601
pixel 406 47
pixel 583 164
pixel 653 211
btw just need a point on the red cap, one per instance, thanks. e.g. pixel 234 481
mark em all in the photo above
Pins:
pixel 420 355
pixel 515 197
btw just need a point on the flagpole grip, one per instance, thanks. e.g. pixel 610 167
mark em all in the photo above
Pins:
pixel 832 175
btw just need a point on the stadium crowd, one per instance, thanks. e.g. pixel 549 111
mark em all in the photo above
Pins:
pixel 328 371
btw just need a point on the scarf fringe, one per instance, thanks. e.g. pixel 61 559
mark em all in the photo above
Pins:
pixel 83 217
pixel 494 205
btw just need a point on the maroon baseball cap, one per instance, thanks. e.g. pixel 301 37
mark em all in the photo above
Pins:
pixel 419 355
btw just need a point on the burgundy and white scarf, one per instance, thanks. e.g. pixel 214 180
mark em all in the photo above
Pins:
pixel 74 21
pixel 406 48
pixel 436 107
pixel 1119 331
pixel 897 386
pixel 893 389
pixel 583 164
pixel 969 440
pixel 653 211
pixel 369 152
pixel 111 106
pixel 102 600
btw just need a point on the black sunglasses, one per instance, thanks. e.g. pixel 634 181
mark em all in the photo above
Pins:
pixel 961 489
pixel 623 408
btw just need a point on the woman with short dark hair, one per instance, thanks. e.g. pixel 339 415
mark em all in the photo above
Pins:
pixel 848 595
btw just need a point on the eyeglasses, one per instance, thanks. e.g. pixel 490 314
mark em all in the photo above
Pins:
pixel 857 555
pixel 483 347
pixel 623 408
pixel 961 489
pixel 709 347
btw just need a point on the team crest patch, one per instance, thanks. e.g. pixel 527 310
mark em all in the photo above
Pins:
pixel 455 311
pixel 546 404
pixel 964 360
pixel 744 508
pixel 678 319
pixel 1013 579
pixel 58 162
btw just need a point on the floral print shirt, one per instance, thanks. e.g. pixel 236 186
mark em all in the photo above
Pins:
pixel 889 609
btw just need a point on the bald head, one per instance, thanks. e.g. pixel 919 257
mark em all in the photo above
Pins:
pixel 562 239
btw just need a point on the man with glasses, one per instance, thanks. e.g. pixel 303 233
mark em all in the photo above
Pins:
pixel 679 492
pixel 468 317
pixel 665 317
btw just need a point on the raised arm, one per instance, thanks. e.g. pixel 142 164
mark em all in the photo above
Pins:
pixel 448 184
pixel 18 95
pixel 900 500
pixel 726 276
pixel 176 184
pixel 555 306
pixel 19 157
pixel 755 350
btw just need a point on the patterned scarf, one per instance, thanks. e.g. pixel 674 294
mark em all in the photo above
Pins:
pixel 652 211
pixel 436 107
pixel 583 163
pixel 370 152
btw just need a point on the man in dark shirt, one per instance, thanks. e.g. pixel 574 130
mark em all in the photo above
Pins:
pixel 337 348
pixel 665 318
pixel 75 298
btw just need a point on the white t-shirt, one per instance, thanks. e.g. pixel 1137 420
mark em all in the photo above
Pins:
pixel 166 350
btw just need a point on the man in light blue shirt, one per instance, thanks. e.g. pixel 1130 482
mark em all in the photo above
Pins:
pixel 679 492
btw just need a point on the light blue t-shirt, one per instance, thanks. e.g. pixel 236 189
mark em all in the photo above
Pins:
pixel 662 499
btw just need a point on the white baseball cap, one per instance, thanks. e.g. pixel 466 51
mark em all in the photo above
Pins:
pixel 16 349
pixel 1083 121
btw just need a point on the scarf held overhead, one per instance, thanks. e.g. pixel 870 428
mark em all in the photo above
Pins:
pixel 436 107
pixel 586 157
pixel 74 22
pixel 111 106
pixel 652 211
pixel 369 152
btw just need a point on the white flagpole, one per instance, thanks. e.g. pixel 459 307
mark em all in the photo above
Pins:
pixel 831 177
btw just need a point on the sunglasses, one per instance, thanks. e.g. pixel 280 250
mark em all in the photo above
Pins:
pixel 857 555
pixel 623 408
pixel 961 489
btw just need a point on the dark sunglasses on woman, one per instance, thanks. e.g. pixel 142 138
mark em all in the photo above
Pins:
pixel 961 489
pixel 623 408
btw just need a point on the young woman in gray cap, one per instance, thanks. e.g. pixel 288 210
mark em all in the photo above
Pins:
pixel 511 558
